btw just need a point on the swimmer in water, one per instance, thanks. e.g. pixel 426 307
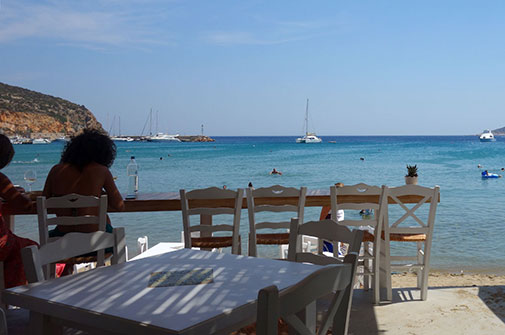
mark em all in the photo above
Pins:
pixel 479 166
pixel 274 171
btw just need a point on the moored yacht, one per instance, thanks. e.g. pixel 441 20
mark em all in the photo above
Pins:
pixel 487 136
pixel 308 137
pixel 41 141
pixel 160 137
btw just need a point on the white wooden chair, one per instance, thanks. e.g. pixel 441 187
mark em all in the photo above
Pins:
pixel 289 304
pixel 329 231
pixel 272 203
pixel 369 260
pixel 411 223
pixel 71 245
pixel 207 240
pixel 71 203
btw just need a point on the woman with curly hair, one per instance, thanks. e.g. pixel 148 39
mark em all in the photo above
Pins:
pixel 10 244
pixel 84 169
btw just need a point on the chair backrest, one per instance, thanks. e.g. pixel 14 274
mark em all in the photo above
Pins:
pixel 417 218
pixel 276 199
pixel 324 229
pixel 71 245
pixel 210 197
pixel 286 305
pixel 73 202
pixel 360 191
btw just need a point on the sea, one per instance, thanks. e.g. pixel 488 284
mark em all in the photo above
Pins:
pixel 469 233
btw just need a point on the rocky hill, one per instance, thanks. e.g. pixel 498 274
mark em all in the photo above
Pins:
pixel 23 112
pixel 499 131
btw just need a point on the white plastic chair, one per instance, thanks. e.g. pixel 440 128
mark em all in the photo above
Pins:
pixel 273 305
pixel 272 203
pixel 410 223
pixel 215 197
pixel 142 244
pixel 369 260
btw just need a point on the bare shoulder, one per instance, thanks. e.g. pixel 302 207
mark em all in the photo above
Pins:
pixel 96 168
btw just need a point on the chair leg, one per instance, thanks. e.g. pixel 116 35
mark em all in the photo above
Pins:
pixel 420 260
pixel 385 270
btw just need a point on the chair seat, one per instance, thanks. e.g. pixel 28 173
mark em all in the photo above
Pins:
pixel 274 238
pixel 369 237
pixel 212 242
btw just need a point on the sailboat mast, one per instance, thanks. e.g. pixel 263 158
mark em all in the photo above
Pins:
pixel 151 122
pixel 119 123
pixel 307 118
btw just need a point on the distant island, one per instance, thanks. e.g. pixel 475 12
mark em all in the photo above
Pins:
pixel 24 112
pixel 29 114
pixel 499 131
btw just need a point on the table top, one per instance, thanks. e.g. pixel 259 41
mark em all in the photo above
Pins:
pixel 118 296
pixel 170 201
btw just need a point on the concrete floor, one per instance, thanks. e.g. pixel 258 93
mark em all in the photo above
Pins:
pixel 448 310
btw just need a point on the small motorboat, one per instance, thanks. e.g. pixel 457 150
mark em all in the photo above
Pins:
pixel 487 136
pixel 486 175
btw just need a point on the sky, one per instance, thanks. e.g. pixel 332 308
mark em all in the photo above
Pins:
pixel 245 68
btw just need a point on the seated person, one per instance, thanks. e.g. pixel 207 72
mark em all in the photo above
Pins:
pixel 11 244
pixel 84 169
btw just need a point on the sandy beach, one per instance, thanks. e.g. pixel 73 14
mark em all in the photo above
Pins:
pixel 441 279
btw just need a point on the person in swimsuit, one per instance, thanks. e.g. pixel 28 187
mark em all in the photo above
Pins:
pixel 84 169
pixel 13 199
pixel 274 171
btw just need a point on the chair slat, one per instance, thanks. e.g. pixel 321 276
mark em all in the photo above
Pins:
pixel 277 209
pixel 273 225
pixel 210 211
pixel 72 201
pixel 212 229
pixel 73 220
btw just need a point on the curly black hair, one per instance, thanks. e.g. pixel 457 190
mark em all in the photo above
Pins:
pixel 6 151
pixel 90 146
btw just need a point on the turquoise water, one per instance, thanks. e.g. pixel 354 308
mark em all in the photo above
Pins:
pixel 468 231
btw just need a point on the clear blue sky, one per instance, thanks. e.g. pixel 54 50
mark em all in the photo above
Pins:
pixel 247 67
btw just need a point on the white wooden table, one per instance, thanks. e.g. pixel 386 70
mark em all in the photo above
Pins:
pixel 116 299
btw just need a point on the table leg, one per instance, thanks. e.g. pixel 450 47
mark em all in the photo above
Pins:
pixel 41 324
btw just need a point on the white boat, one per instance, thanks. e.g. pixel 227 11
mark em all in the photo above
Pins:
pixel 308 137
pixel 62 139
pixel 41 141
pixel 160 137
pixel 487 136
pixel 122 139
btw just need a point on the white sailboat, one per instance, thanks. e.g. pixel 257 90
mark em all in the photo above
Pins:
pixel 308 137
pixel 120 138
pixel 159 137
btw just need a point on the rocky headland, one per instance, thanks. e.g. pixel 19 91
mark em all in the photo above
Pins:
pixel 24 112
